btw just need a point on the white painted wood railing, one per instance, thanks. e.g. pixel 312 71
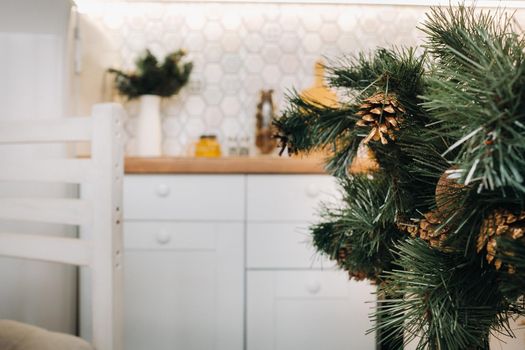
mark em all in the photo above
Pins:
pixel 99 211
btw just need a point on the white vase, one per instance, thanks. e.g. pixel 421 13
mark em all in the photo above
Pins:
pixel 149 127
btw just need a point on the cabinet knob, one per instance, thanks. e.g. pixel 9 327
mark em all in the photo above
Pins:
pixel 163 237
pixel 312 190
pixel 313 287
pixel 163 190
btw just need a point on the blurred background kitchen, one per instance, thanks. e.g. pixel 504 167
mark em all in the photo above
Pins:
pixel 216 256
pixel 237 50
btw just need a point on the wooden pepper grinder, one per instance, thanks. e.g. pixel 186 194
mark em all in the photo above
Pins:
pixel 264 139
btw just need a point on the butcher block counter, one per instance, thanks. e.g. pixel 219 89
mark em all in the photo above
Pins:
pixel 225 165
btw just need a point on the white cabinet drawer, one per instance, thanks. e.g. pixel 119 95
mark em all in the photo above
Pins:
pixel 307 310
pixel 282 245
pixel 184 197
pixel 166 235
pixel 288 197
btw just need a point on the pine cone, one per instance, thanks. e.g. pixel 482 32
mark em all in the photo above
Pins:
pixel 430 228
pixel 357 275
pixel 342 254
pixel 383 113
pixel 500 223
pixel 448 191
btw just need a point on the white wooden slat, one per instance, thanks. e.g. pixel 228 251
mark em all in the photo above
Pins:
pixel 47 210
pixel 35 131
pixel 55 249
pixel 51 170
pixel 106 272
pixel 100 213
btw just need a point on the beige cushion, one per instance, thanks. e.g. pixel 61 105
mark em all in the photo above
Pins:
pixel 19 336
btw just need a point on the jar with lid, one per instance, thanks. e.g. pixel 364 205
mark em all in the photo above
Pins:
pixel 208 147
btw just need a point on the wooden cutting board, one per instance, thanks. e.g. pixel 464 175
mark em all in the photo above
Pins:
pixel 319 93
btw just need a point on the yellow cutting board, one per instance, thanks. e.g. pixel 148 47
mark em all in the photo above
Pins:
pixel 319 93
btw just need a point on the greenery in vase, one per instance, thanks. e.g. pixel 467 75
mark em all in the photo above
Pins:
pixel 154 78
pixel 439 223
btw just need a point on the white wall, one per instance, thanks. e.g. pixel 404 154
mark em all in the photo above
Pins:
pixel 33 85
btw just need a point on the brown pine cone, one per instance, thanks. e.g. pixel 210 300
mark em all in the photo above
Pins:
pixel 383 113
pixel 429 228
pixel 500 223
pixel 357 275
pixel 448 191
pixel 342 254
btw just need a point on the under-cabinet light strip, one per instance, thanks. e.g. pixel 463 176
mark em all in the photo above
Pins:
pixel 480 3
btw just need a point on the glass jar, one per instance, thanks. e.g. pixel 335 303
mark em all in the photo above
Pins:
pixel 208 147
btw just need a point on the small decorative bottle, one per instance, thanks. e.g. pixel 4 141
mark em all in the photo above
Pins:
pixel 264 139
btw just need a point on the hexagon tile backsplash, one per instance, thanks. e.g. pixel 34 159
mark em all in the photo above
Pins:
pixel 237 49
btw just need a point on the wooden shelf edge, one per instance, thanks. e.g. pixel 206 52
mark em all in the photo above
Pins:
pixel 226 165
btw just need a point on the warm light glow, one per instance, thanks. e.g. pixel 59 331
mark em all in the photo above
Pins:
pixel 102 6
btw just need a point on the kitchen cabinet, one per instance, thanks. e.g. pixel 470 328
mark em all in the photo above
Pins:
pixel 225 262
pixel 307 310
pixel 183 285
pixel 184 262
pixel 295 298
pixel 287 198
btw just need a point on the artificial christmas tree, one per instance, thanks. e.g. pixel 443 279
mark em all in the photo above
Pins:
pixel 435 213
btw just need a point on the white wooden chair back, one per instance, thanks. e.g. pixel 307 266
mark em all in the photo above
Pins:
pixel 99 211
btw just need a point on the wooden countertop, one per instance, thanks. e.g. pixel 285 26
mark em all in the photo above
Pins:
pixel 226 165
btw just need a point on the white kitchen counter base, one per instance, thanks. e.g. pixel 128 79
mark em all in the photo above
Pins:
pixel 225 262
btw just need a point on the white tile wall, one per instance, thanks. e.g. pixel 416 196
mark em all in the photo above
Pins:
pixel 237 49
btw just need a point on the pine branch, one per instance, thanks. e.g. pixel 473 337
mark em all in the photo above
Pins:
pixel 512 253
pixel 482 85
pixel 306 126
pixel 364 226
pixel 449 301
pixel 450 27
pixel 399 70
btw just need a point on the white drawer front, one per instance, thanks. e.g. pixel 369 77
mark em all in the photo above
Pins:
pixel 184 197
pixel 288 197
pixel 307 310
pixel 282 245
pixel 166 235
